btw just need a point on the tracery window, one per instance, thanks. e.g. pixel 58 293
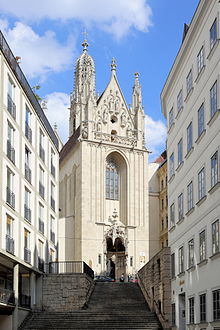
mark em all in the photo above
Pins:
pixel 112 180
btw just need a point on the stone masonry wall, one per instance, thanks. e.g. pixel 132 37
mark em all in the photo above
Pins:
pixel 155 283
pixel 66 292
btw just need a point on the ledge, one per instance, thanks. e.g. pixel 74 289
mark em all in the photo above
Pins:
pixel 190 211
pixel 171 127
pixel 202 263
pixel 214 188
pixel 173 278
pixel 213 49
pixel 181 274
pixel 180 221
pixel 189 94
pixel 179 112
pixel 214 117
pixel 172 228
pixel 189 153
pixel 191 268
pixel 200 74
pixel 201 200
pixel 215 256
pixel 199 138
pixel 179 166
pixel 171 178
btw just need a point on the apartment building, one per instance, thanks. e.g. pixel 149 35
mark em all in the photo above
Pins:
pixel 190 103
pixel 29 166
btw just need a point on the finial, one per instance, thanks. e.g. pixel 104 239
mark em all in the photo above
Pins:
pixel 85 43
pixel 136 75
pixel 55 126
pixel 113 64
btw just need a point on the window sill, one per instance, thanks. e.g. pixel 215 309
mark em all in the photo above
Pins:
pixel 191 268
pixel 179 112
pixel 172 228
pixel 171 178
pixel 215 256
pixel 189 153
pixel 201 200
pixel 200 74
pixel 212 50
pixel 199 138
pixel 180 221
pixel 171 128
pixel 214 117
pixel 214 188
pixel 181 274
pixel 179 166
pixel 190 211
pixel 202 263
pixel 11 206
pixel 189 94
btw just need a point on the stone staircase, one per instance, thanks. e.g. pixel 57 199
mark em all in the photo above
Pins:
pixel 111 306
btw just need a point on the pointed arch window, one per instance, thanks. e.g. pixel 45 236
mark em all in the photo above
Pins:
pixel 112 180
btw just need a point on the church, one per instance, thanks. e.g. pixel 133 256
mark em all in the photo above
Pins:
pixel 104 208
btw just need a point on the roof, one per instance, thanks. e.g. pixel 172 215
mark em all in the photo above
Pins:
pixel 69 145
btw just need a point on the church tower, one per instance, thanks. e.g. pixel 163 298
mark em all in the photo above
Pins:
pixel 104 176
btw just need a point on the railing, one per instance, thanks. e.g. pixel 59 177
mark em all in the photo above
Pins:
pixel 27 255
pixel 41 264
pixel 70 267
pixel 10 197
pixel 52 203
pixel 41 226
pixel 42 153
pixel 24 300
pixel 28 91
pixel 11 107
pixel 7 296
pixel 27 213
pixel 41 190
pixel 53 170
pixel 27 173
pixel 10 245
pixel 10 151
pixel 52 236
pixel 28 132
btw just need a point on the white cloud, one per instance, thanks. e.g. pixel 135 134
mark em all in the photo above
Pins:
pixel 40 54
pixel 57 112
pixel 155 136
pixel 115 16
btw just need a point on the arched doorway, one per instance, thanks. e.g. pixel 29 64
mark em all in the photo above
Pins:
pixel 116 258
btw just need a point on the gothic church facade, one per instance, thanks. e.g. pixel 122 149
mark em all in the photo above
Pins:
pixel 104 177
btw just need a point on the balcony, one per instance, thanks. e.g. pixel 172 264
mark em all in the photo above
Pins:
pixel 52 236
pixel 41 190
pixel 28 132
pixel 41 264
pixel 27 255
pixel 10 246
pixel 10 151
pixel 27 213
pixel 7 297
pixel 11 107
pixel 53 171
pixel 52 203
pixel 41 226
pixel 27 172
pixel 10 197
pixel 24 300
pixel 42 153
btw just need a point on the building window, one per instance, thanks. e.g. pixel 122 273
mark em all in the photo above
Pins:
pixel 171 118
pixel 27 251
pixel 216 305
pixel 172 215
pixel 191 253
pixel 41 218
pixel 131 261
pixel 112 181
pixel 28 131
pixel 202 246
pixel 171 165
pixel 201 120
pixel 189 82
pixel 180 100
pixel 189 137
pixel 173 273
pixel 41 182
pixel 9 234
pixel 200 60
pixel 173 315
pixel 214 169
pixel 180 206
pixel 41 146
pixel 190 196
pixel 27 206
pixel 52 255
pixel 40 255
pixel 11 105
pixel 181 260
pixel 52 200
pixel 201 183
pixel 10 196
pixel 10 143
pixel 213 99
pixel 213 34
pixel 52 229
pixel 27 170
pixel 202 305
pixel 180 152
pixel 215 237
pixel 52 159
pixel 191 310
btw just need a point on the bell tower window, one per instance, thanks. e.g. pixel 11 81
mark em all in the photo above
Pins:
pixel 112 180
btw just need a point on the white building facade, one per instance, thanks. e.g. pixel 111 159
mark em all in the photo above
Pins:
pixel 29 170
pixel 190 103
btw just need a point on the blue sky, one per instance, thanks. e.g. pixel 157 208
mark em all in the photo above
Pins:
pixel 143 36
